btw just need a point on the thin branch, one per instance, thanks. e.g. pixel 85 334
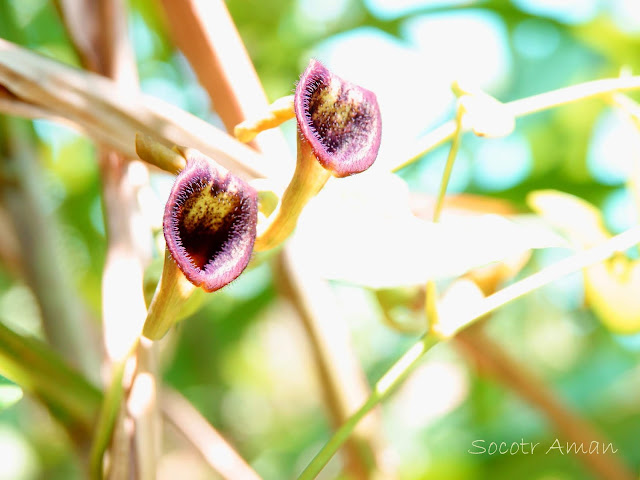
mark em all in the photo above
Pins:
pixel 11 105
pixel 110 410
pixel 79 18
pixel 112 114
pixel 493 361
pixel 448 168
pixel 142 407
pixel 215 450
pixel 410 359
pixel 574 263
pixel 385 386
pixel 523 107
pixel 431 304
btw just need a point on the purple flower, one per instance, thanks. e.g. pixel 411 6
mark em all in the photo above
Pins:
pixel 210 222
pixel 340 120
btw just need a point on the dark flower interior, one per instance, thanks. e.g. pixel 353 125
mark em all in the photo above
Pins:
pixel 210 227
pixel 204 222
pixel 340 119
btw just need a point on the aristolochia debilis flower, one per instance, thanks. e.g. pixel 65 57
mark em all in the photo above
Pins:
pixel 339 127
pixel 210 223
pixel 340 120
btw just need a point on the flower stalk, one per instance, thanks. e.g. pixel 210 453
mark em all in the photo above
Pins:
pixel 307 181
pixel 278 112
pixel 172 293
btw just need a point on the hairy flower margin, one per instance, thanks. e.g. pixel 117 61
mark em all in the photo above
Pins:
pixel 340 120
pixel 210 222
pixel 339 129
pixel 211 215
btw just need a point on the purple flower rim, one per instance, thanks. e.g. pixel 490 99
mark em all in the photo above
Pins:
pixel 210 223
pixel 340 120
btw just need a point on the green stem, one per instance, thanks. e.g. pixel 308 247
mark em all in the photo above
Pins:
pixel 527 106
pixel 431 306
pixel 107 419
pixel 394 376
pixel 448 168
pixel 404 365
pixel 343 381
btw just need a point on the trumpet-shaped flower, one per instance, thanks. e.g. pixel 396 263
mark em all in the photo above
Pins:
pixel 210 223
pixel 340 120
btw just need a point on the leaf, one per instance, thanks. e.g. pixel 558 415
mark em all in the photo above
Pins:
pixel 579 219
pixel 10 393
pixel 40 86
pixel 361 230
pixel 611 290
pixel 611 287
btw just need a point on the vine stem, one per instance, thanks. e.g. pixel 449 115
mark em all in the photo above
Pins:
pixel 451 158
pixel 341 377
pixel 431 305
pixel 98 31
pixel 394 376
pixel 410 359
pixel 207 35
pixel 526 106
pixel 106 420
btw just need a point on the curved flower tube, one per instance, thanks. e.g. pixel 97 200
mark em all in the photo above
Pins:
pixel 339 128
pixel 210 229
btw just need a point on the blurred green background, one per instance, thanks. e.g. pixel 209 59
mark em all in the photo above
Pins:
pixel 243 361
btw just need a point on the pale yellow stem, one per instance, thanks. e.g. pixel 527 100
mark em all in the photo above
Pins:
pixel 308 179
pixel 172 293
pixel 278 112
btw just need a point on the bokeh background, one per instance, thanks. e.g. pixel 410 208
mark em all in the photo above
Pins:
pixel 243 359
